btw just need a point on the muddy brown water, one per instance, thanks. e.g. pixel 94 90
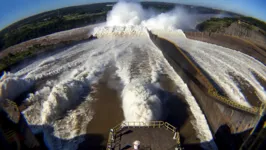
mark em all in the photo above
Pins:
pixel 178 113
pixel 248 90
pixel 260 79
pixel 107 110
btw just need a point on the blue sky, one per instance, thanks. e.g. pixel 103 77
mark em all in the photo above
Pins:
pixel 14 10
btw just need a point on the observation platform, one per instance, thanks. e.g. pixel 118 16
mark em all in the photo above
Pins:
pixel 155 135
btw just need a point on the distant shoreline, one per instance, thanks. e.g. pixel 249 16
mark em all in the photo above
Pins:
pixel 73 17
pixel 41 32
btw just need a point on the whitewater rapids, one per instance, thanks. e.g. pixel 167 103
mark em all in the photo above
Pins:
pixel 60 86
pixel 220 63
pixel 61 104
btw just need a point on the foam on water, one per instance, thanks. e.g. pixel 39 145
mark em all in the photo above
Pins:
pixel 63 97
pixel 65 132
pixel 12 86
pixel 71 129
pixel 220 62
pixel 119 31
pixel 199 121
pixel 131 14
pixel 70 73
pixel 140 102
pixel 61 108
pixel 36 100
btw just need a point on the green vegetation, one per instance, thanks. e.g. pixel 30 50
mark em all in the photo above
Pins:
pixel 17 57
pixel 78 16
pixel 69 18
pixel 11 59
pixel 261 26
pixel 215 24
pixel 51 22
pixel 255 22
pixel 48 26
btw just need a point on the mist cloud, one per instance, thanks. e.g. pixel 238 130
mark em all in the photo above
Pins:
pixel 132 13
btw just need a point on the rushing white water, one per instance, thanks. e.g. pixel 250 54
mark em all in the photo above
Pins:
pixel 131 13
pixel 220 62
pixel 12 86
pixel 67 78
pixel 199 123
pixel 61 105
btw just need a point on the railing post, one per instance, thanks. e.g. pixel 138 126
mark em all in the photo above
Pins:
pixel 174 136
pixel 112 134
pixel 109 147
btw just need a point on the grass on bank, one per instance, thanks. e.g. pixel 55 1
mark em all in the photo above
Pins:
pixel 217 24
pixel 12 59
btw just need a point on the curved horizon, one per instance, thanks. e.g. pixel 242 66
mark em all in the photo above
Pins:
pixel 14 11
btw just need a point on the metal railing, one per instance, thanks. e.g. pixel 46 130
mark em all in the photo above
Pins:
pixel 170 127
pixel 154 124
pixel 134 124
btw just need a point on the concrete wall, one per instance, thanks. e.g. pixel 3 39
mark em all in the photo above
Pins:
pixel 217 113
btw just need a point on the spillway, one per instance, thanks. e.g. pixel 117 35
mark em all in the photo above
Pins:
pixel 124 75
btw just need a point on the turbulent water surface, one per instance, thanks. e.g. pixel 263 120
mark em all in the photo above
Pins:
pixel 92 86
pixel 65 84
pixel 220 63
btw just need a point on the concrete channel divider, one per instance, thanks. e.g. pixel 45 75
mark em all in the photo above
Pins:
pixel 171 50
pixel 218 109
